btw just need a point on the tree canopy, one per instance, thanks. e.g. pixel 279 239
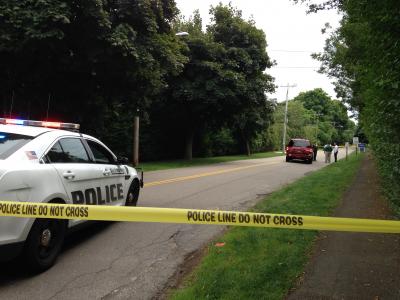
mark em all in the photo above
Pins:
pixel 99 63
pixel 313 115
pixel 92 55
pixel 223 83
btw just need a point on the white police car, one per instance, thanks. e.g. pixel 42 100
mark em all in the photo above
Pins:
pixel 51 162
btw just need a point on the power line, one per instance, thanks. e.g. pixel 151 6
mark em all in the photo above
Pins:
pixel 316 67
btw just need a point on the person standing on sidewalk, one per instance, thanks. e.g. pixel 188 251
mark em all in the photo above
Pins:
pixel 335 151
pixel 315 150
pixel 327 152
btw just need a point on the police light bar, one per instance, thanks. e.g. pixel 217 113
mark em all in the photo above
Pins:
pixel 66 126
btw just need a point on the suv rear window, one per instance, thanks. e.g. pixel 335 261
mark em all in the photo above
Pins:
pixel 299 143
pixel 11 142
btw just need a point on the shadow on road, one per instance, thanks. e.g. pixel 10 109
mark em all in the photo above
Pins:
pixel 16 269
pixel 299 161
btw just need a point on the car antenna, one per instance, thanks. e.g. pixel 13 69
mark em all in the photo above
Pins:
pixel 48 106
pixel 12 102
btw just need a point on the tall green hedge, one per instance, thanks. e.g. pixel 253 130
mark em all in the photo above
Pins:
pixel 364 57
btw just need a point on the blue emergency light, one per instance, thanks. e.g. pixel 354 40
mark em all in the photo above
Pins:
pixel 66 126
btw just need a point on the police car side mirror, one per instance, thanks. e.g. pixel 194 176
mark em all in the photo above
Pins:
pixel 122 160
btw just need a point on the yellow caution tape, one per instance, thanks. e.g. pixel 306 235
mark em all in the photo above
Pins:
pixel 193 216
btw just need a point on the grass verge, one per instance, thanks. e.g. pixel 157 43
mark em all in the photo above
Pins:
pixel 173 164
pixel 263 263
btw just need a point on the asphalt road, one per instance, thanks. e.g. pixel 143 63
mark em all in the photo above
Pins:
pixel 136 260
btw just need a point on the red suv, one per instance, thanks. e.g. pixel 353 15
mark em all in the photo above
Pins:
pixel 299 149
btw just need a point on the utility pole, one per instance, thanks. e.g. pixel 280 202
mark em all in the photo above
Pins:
pixel 285 119
pixel 136 140
pixel 317 116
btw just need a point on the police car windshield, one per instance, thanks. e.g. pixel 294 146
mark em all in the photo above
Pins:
pixel 11 142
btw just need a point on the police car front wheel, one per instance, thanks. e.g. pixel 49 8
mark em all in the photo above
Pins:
pixel 44 243
pixel 133 194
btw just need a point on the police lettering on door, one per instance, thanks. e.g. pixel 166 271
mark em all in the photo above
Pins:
pixel 93 196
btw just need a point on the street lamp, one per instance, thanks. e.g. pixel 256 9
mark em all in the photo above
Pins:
pixel 182 33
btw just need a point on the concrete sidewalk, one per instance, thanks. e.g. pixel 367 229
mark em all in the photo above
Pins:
pixel 355 265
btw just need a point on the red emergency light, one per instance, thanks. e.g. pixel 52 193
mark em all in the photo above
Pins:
pixel 51 124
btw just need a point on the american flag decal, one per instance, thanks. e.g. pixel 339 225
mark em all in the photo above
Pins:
pixel 31 154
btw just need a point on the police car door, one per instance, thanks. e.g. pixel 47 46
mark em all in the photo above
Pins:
pixel 112 186
pixel 70 158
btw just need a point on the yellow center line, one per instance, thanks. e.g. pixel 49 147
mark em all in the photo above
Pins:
pixel 223 171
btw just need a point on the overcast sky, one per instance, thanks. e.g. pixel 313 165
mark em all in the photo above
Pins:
pixel 292 36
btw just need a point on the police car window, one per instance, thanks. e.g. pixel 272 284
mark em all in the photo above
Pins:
pixel 74 150
pixel 11 142
pixel 101 154
pixel 56 154
pixel 68 150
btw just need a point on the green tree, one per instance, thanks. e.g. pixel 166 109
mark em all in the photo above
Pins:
pixel 222 84
pixel 316 100
pixel 361 56
pixel 299 123
pixel 198 97
pixel 312 115
pixel 247 57
pixel 330 116
pixel 86 58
